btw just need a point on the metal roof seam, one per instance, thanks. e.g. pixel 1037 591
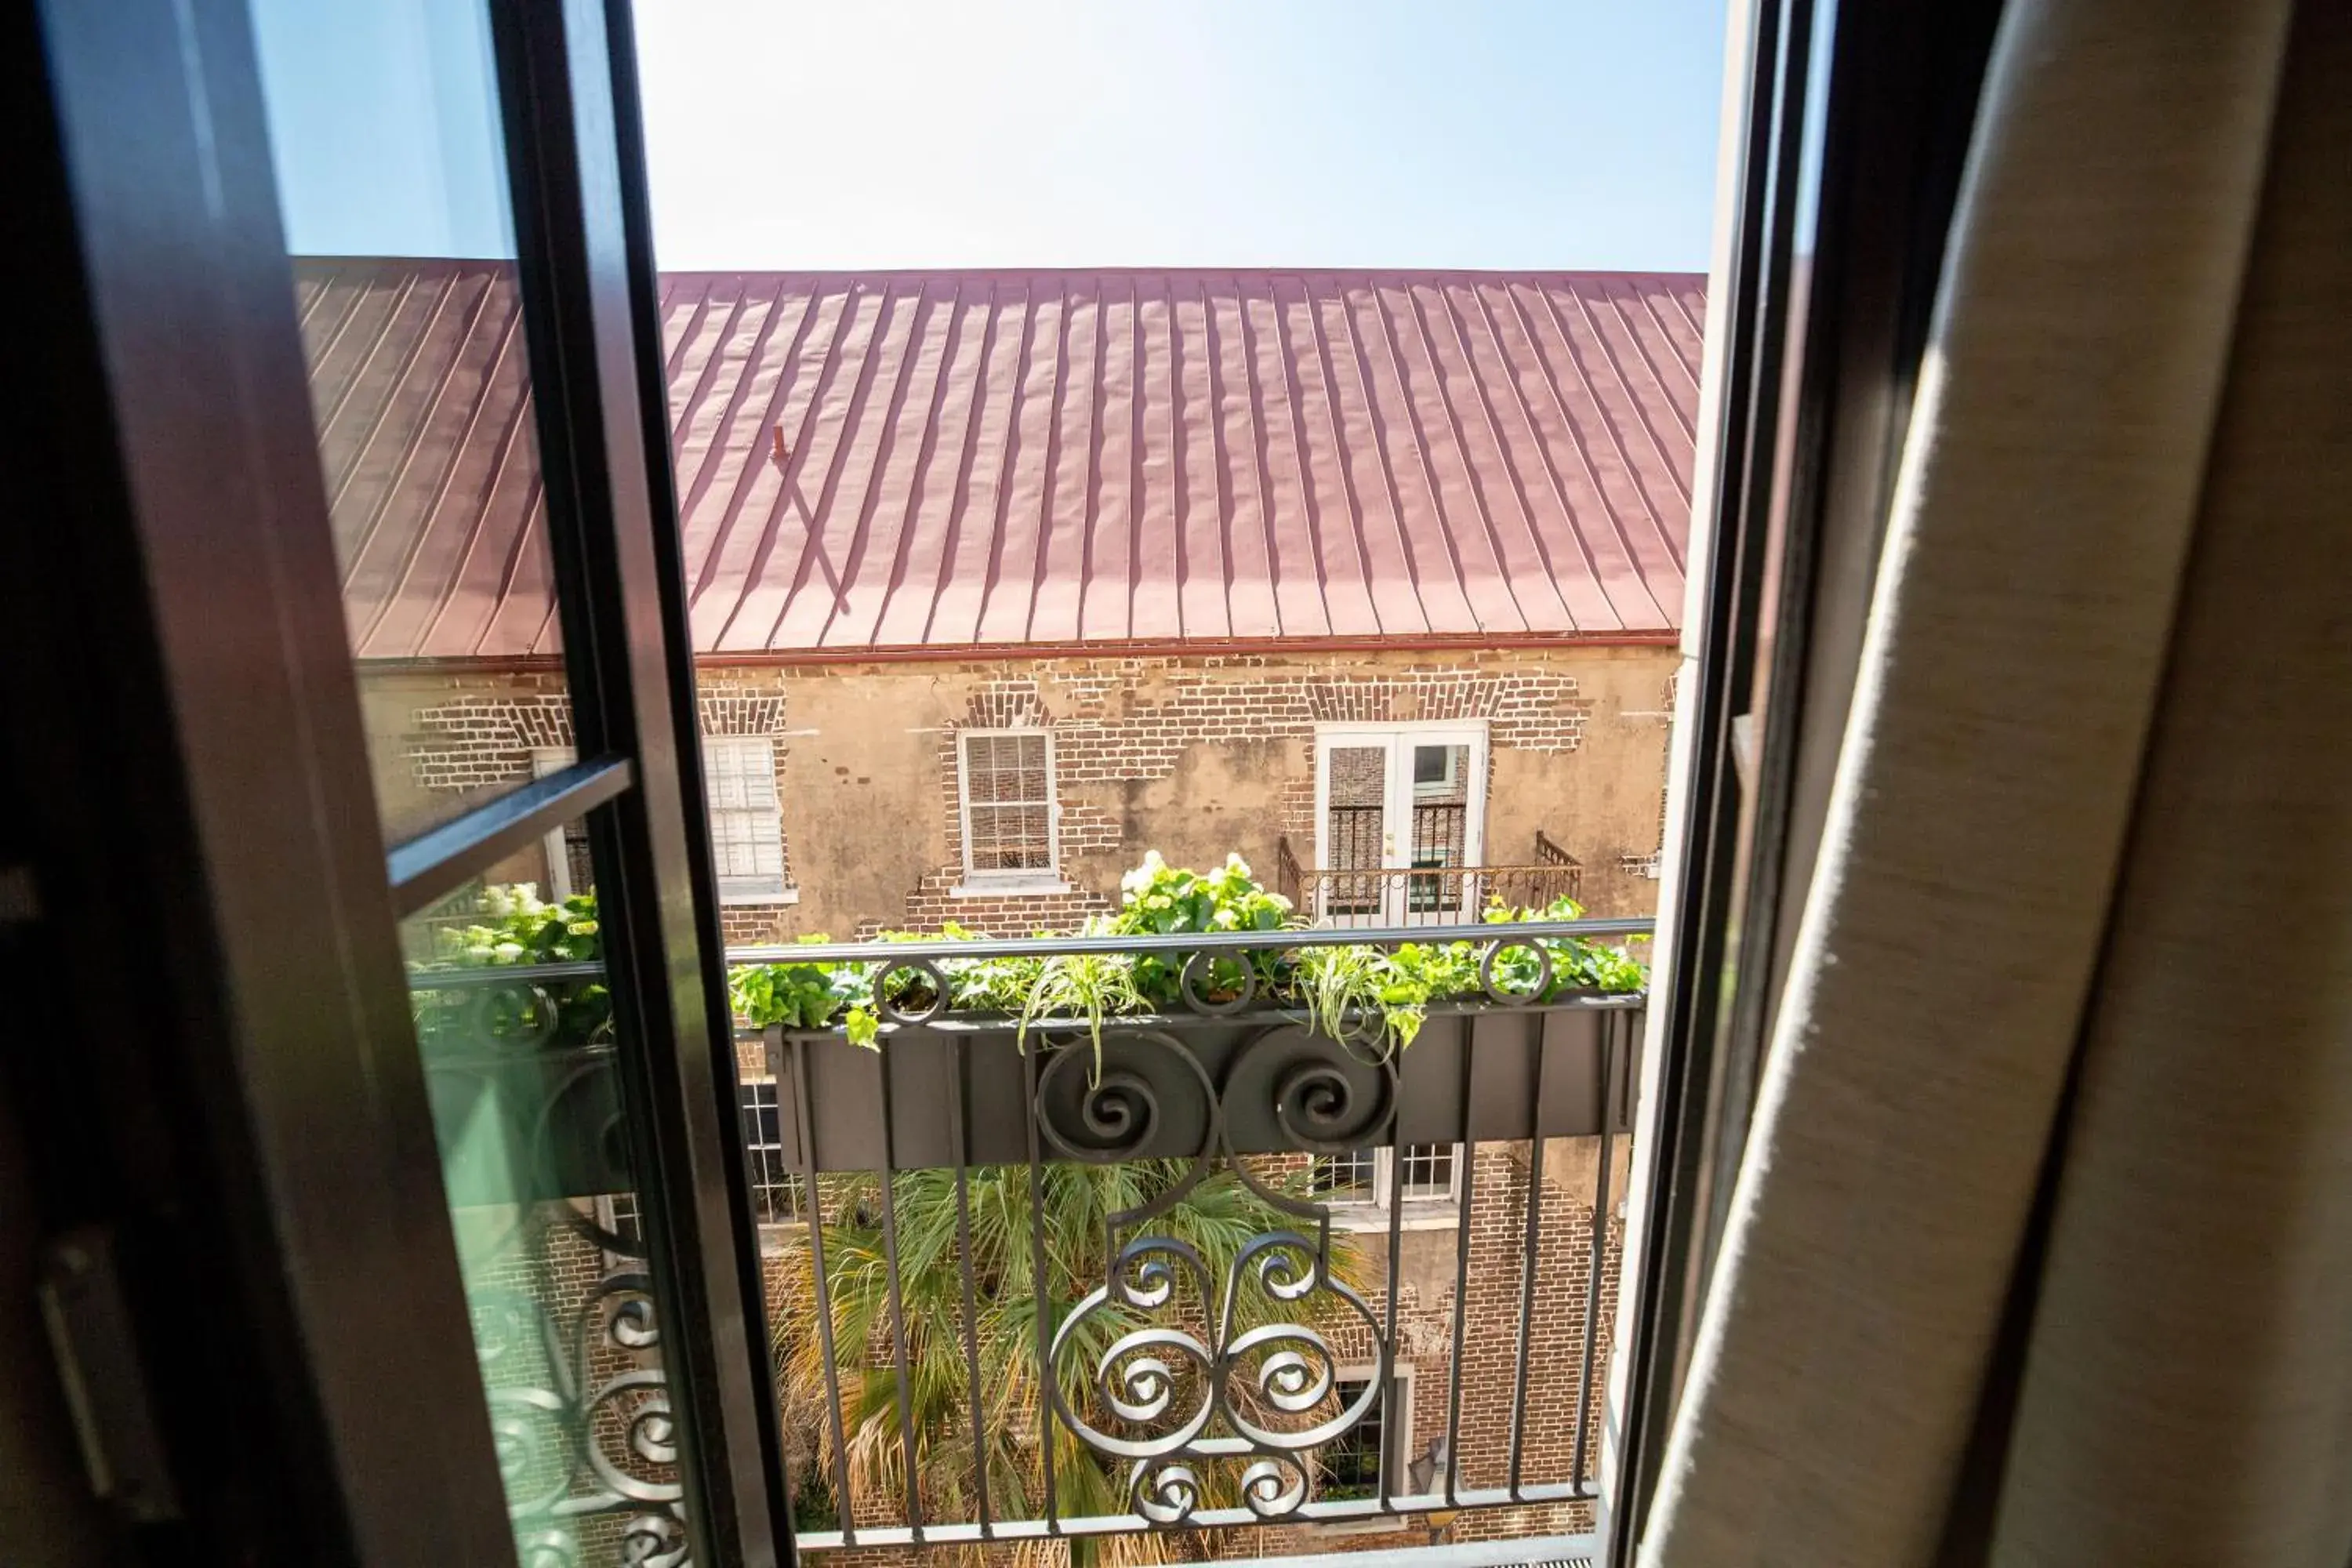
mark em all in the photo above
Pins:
pixel 1124 458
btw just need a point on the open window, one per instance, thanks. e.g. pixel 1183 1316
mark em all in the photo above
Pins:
pixel 1400 822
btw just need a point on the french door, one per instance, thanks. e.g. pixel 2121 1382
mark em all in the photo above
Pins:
pixel 406 1213
pixel 1399 815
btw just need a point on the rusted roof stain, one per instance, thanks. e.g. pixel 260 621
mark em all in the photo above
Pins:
pixel 941 461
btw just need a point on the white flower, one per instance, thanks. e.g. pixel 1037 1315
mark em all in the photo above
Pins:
pixel 1236 864
pixel 507 952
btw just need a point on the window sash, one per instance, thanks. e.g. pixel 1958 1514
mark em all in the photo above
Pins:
pixel 747 819
pixel 1375 1178
pixel 775 1188
pixel 1427 1172
pixel 1350 1178
pixel 1010 813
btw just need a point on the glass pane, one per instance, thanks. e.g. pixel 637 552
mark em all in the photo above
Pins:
pixel 385 134
pixel 515 1025
pixel 1439 891
pixel 1358 789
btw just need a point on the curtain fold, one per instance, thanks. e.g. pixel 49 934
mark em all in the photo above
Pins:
pixel 2186 1392
pixel 2101 751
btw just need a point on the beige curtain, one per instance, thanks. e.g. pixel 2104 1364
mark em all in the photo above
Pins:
pixel 2041 1251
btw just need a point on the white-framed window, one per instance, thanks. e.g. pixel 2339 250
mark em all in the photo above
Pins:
pixel 1005 797
pixel 1399 815
pixel 617 1215
pixel 1437 772
pixel 1350 1178
pixel 1427 1172
pixel 775 1188
pixel 1369 1460
pixel 747 821
pixel 1421 1176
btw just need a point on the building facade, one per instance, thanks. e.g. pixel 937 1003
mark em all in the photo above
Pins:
pixel 1000 579
pixel 1008 796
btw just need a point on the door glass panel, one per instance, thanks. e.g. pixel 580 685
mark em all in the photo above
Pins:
pixel 1439 833
pixel 515 1023
pixel 387 142
pixel 1354 826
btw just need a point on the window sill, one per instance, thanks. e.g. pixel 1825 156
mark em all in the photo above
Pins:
pixel 1010 888
pixel 1417 1216
pixel 788 896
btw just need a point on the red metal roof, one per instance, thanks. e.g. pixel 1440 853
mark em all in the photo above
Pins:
pixel 938 461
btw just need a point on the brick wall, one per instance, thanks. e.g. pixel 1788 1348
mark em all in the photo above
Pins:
pixel 1194 755
pixel 1119 723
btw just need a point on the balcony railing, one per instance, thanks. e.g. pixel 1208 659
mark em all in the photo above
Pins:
pixel 1067 1285
pixel 1433 894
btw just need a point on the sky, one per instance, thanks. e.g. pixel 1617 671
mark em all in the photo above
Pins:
pixel 1488 133
pixel 872 133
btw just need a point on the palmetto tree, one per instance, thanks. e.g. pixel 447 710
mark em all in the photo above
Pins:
pixel 1217 1220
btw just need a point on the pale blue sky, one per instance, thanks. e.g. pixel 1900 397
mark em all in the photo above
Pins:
pixel 836 134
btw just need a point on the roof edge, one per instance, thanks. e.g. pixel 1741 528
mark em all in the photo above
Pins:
pixel 1261 269
pixel 1161 648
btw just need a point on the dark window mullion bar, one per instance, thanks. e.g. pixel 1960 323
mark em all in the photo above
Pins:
pixel 1606 1023
pixel 438 862
pixel 822 1296
pixel 568 89
pixel 1396 1260
pixel 1534 1241
pixel 977 1387
pixel 1469 1157
pixel 1043 1300
pixel 888 1175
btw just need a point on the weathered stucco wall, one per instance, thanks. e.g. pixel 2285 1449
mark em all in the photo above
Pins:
pixel 1193 756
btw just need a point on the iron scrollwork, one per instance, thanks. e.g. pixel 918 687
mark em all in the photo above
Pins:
pixel 1234 1378
pixel 580 1410
pixel 580 1407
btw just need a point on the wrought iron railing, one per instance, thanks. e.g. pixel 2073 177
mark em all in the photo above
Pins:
pixel 1432 895
pixel 1007 1258
pixel 1183 1386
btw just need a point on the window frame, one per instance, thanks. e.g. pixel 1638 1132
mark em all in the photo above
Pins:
pixel 1394 1414
pixel 1393 889
pixel 756 1168
pixel 748 890
pixel 546 761
pixel 996 881
pixel 1371 1190
pixel 1421 1211
pixel 1385 1174
pixel 1446 783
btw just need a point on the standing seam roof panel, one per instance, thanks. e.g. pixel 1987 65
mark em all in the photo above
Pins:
pixel 949 460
